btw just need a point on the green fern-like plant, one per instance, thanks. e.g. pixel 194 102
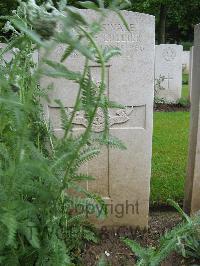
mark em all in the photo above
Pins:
pixel 41 222
pixel 184 239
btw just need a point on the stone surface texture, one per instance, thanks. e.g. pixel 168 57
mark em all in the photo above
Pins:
pixel 190 71
pixel 8 55
pixel 192 186
pixel 122 177
pixel 186 61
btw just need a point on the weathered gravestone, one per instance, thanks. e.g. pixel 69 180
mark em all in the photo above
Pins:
pixel 190 72
pixel 122 177
pixel 168 72
pixel 192 186
pixel 186 61
pixel 7 56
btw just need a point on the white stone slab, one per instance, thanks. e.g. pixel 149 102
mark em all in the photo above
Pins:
pixel 168 70
pixel 122 177
pixel 8 56
pixel 186 61
pixel 190 72
pixel 192 186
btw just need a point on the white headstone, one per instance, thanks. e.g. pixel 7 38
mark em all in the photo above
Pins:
pixel 192 186
pixel 190 71
pixel 186 61
pixel 8 55
pixel 122 177
pixel 168 72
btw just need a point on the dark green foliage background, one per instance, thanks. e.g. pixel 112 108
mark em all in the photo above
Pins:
pixel 181 16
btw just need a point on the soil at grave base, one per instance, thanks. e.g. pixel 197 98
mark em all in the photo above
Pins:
pixel 160 107
pixel 118 254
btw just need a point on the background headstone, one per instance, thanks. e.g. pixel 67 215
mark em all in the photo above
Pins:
pixel 122 177
pixel 190 71
pixel 8 55
pixel 186 61
pixel 192 186
pixel 168 71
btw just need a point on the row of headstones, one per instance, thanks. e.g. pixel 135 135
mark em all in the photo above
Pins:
pixel 168 70
pixel 123 178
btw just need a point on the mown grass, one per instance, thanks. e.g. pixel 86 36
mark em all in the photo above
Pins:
pixel 170 148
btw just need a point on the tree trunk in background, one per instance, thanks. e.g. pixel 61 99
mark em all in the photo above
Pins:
pixel 162 24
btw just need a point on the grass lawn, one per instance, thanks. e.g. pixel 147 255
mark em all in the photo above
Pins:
pixel 170 148
pixel 185 92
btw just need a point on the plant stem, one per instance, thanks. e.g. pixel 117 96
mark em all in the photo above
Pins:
pixel 101 89
pixel 77 101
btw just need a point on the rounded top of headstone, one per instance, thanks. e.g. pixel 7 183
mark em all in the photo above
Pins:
pixel 131 13
pixel 197 35
pixel 127 14
pixel 169 45
pixel 169 51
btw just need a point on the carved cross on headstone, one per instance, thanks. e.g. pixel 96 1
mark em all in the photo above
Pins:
pixel 168 78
